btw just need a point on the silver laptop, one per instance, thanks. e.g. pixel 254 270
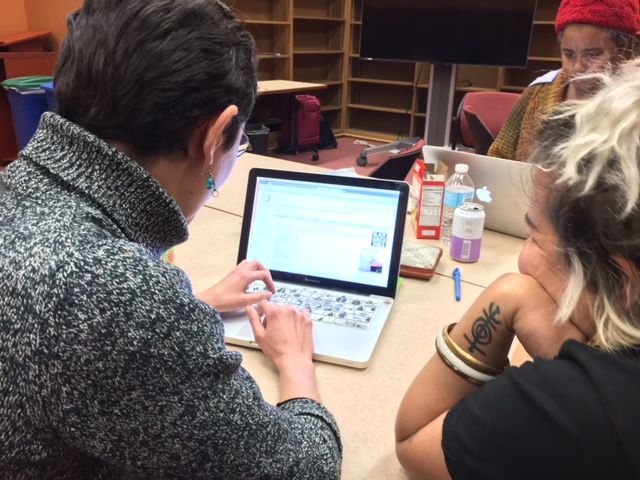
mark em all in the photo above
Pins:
pixel 502 186
pixel 333 247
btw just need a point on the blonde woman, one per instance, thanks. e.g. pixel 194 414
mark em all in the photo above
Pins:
pixel 573 411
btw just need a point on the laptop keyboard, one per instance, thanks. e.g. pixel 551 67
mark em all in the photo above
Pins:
pixel 323 305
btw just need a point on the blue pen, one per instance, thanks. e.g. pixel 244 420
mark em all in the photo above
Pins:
pixel 456 281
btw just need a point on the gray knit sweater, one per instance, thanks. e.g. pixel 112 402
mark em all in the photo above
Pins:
pixel 109 366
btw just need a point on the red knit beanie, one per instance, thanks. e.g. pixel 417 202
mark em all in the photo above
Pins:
pixel 621 15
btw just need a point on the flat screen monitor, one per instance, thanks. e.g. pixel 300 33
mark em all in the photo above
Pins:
pixel 467 32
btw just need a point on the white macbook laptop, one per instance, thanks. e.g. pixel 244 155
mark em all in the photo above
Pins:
pixel 502 186
pixel 333 247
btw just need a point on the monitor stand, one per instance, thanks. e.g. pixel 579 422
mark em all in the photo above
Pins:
pixel 442 87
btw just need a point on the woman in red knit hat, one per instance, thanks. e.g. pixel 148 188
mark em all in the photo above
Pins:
pixel 592 34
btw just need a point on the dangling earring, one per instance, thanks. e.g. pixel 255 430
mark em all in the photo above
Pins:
pixel 211 185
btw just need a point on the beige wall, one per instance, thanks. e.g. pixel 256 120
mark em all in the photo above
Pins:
pixel 50 15
pixel 14 18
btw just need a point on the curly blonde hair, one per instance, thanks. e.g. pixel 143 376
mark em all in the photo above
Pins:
pixel 592 149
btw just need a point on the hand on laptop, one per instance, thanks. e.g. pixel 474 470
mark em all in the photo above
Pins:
pixel 229 293
pixel 285 335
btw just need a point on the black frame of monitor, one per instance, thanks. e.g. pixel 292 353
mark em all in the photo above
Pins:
pixel 401 188
pixel 445 62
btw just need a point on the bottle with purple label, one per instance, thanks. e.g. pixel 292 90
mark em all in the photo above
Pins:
pixel 458 190
pixel 466 232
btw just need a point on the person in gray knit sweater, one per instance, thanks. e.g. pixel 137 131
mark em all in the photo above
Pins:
pixel 110 367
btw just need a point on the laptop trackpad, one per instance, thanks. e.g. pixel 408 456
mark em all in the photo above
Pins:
pixel 236 325
pixel 246 332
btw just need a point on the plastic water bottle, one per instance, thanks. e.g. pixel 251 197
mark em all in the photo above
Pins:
pixel 458 190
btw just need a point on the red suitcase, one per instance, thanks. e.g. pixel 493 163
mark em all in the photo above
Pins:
pixel 306 126
pixel 307 121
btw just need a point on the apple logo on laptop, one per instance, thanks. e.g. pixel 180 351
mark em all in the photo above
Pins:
pixel 484 194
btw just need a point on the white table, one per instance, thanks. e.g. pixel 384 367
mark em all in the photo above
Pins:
pixel 364 402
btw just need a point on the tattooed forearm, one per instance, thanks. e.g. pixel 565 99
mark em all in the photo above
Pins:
pixel 483 328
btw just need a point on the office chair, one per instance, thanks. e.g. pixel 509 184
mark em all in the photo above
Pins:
pixel 490 110
pixel 398 166
pixel 481 134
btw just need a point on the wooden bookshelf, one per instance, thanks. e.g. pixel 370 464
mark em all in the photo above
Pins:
pixel 318 51
pixel 406 85
pixel 318 41
pixel 269 22
pixel 382 96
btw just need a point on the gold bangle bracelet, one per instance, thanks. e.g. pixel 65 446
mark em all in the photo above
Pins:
pixel 467 358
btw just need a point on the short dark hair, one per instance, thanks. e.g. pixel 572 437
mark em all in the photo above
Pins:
pixel 149 73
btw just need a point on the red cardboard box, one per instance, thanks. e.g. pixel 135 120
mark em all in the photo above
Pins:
pixel 429 188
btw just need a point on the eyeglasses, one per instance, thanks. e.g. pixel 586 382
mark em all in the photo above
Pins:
pixel 244 146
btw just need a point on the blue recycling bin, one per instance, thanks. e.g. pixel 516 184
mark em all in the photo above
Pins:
pixel 49 96
pixel 28 103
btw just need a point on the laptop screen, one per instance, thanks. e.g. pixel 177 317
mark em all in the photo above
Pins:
pixel 325 230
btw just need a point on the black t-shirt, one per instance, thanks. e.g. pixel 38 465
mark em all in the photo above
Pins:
pixel 574 417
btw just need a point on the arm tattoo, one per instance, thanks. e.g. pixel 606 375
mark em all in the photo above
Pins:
pixel 483 328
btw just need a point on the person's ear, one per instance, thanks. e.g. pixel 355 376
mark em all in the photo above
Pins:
pixel 214 135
